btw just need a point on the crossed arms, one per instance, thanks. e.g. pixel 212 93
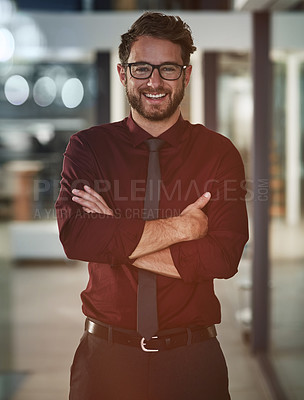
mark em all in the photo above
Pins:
pixel 152 252
pixel 189 246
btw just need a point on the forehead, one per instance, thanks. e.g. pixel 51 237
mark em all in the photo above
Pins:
pixel 155 51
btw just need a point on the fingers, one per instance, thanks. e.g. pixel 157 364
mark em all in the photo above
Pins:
pixel 202 201
pixel 91 201
pixel 87 210
pixel 96 195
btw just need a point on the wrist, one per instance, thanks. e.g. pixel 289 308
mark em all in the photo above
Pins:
pixel 182 226
pixel 189 227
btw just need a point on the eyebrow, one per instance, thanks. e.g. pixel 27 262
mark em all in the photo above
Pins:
pixel 164 62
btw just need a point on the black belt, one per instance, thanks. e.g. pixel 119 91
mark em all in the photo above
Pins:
pixel 165 340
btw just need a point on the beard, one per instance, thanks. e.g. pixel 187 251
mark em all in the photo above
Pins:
pixel 156 113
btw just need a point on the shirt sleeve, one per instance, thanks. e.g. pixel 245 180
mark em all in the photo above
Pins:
pixel 91 237
pixel 217 255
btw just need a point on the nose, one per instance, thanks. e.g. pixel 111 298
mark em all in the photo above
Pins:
pixel 155 79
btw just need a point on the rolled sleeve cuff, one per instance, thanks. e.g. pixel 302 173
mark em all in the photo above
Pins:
pixel 184 261
pixel 126 238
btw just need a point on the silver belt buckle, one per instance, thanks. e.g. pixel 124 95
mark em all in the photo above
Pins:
pixel 143 345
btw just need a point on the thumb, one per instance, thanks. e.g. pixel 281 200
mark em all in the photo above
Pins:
pixel 203 200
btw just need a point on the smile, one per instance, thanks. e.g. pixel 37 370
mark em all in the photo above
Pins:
pixel 155 96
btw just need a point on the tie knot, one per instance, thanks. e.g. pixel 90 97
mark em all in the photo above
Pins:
pixel 154 144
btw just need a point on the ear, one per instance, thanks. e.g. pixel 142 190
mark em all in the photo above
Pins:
pixel 187 75
pixel 122 74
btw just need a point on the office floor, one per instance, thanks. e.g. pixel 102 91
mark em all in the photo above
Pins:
pixel 43 324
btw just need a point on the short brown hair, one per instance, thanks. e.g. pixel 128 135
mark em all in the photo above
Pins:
pixel 160 26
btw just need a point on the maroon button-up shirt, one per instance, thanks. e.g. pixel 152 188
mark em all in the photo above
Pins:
pixel 113 160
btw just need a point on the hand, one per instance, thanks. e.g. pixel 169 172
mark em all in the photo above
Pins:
pixel 91 201
pixel 196 220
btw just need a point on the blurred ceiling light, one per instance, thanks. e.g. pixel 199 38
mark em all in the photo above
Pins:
pixel 7 9
pixel 44 91
pixel 16 90
pixel 7 45
pixel 72 93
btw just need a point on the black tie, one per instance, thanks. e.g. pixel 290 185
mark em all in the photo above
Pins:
pixel 147 321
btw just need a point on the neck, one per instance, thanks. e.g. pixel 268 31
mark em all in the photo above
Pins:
pixel 155 128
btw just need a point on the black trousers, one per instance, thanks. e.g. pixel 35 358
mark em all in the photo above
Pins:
pixel 103 371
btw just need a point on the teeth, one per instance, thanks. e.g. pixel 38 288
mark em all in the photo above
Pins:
pixel 155 96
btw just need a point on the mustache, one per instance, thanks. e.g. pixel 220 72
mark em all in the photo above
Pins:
pixel 155 91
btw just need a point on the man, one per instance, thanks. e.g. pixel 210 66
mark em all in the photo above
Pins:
pixel 101 214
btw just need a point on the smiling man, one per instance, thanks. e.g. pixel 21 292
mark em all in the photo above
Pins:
pixel 156 206
pixel 160 97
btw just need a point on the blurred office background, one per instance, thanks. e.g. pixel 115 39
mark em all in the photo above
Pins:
pixel 57 76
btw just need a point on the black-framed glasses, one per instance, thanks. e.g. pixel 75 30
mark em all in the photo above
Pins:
pixel 167 71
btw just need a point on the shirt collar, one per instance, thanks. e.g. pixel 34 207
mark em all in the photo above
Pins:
pixel 172 135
